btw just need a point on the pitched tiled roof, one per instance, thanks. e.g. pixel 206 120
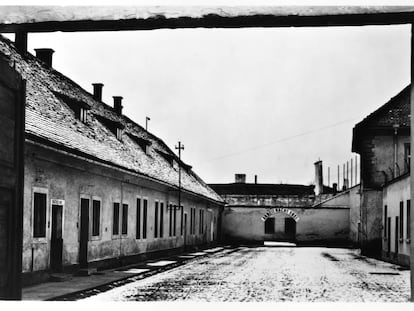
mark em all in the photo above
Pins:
pixel 261 189
pixel 49 118
pixel 395 112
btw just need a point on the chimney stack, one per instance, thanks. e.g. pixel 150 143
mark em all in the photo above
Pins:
pixel 45 55
pixel 97 91
pixel 318 178
pixel 255 179
pixel 335 187
pixel 240 178
pixel 118 104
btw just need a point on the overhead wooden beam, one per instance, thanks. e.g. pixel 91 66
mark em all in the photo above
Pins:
pixel 110 18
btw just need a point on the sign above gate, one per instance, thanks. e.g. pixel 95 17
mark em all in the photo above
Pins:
pixel 276 210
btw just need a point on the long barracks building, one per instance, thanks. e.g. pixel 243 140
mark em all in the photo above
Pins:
pixel 97 186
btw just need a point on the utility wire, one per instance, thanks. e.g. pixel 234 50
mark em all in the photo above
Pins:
pixel 281 140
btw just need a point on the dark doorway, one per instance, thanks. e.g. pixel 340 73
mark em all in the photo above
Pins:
pixel 185 229
pixel 56 243
pixel 396 236
pixel 290 228
pixel 84 233
pixel 389 236
pixel 270 225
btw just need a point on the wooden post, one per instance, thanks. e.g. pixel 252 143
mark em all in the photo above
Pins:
pixel 412 166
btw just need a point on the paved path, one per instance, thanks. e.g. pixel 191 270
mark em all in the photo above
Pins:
pixel 300 274
pixel 77 287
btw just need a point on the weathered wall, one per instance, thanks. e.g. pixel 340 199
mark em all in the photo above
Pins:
pixel 371 218
pixel 351 199
pixel 355 214
pixel 377 157
pixel 393 194
pixel 324 224
pixel 66 178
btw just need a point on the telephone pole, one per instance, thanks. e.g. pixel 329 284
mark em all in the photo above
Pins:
pixel 179 147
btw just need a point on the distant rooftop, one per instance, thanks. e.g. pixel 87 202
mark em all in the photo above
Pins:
pixel 261 189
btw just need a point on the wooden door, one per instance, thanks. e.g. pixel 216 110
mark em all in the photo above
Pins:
pixel 84 233
pixel 12 108
pixel 56 242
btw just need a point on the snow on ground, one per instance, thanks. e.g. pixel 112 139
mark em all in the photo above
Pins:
pixel 273 274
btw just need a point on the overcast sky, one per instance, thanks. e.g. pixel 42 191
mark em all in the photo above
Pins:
pixel 257 101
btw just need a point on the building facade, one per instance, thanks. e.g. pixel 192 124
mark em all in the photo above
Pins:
pixel 257 212
pixel 383 141
pixel 99 189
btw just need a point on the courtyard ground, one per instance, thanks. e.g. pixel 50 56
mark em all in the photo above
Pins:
pixel 272 274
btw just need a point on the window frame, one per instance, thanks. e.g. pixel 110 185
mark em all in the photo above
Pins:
pixel 161 213
pixel 156 218
pixel 44 191
pixel 122 218
pixel 113 220
pixel 138 218
pixel 145 218
pixel 91 219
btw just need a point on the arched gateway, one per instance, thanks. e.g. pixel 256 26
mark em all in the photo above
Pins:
pixel 280 228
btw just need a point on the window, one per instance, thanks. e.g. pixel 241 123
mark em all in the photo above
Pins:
pixel 119 133
pixel 401 219
pixel 156 220
pixel 124 219
pixel 144 219
pixel 170 221
pixel 39 215
pixel 181 221
pixel 138 226
pixel 175 220
pixel 407 157
pixel 408 219
pixel 96 217
pixel 115 219
pixel 270 225
pixel 82 115
pixel 200 228
pixel 191 220
pixel 385 220
pixel 161 219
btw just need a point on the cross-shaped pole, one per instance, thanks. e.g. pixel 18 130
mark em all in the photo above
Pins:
pixel 179 147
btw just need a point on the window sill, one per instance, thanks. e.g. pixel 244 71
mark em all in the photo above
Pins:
pixel 95 238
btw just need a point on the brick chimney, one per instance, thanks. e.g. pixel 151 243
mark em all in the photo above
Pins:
pixel 240 178
pixel 45 55
pixel 318 178
pixel 118 104
pixel 97 91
